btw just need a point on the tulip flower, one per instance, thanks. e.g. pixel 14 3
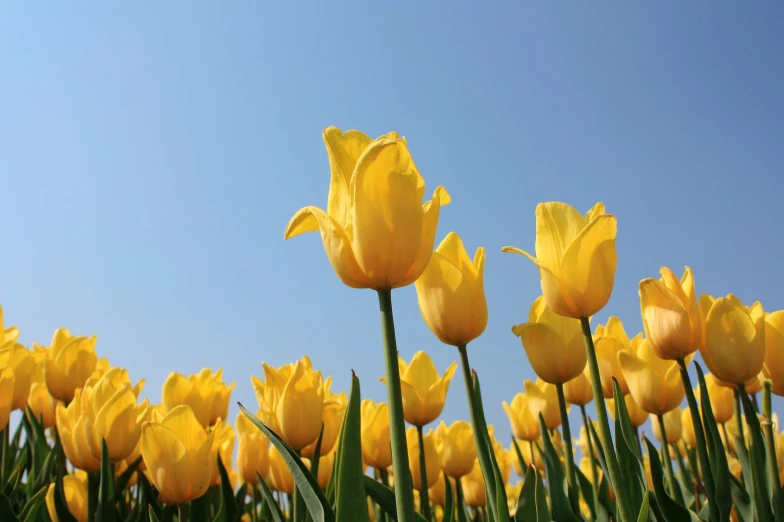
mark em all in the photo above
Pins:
pixel 734 347
pixel 673 427
pixel 654 383
pixel 456 447
pixel 376 231
pixel 451 293
pixel 543 398
pixel 15 356
pixel 610 339
pixel 584 444
pixel 204 392
pixel 72 427
pixel 70 362
pixel 578 391
pixel 326 463
pixel 687 428
pixel 223 446
pixel 473 486
pixel 7 334
pixel 253 452
pixel 576 258
pixel 553 343
pixel 774 351
pixel 334 410
pixel 75 491
pixel 671 315
pixel 432 458
pixel 637 416
pixel 39 400
pixel 6 395
pixel 424 392
pixel 437 493
pixel 722 399
pixel 524 425
pixel 376 451
pixel 178 454
pixel 280 476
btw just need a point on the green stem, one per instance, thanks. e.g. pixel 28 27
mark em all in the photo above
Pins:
pixel 773 466
pixel 424 497
pixel 404 491
pixel 460 504
pixel 726 436
pixel 757 457
pixel 571 476
pixel 4 449
pixel 182 512
pixel 605 437
pixel 675 490
pixel 754 402
pixel 93 485
pixel 739 419
pixel 592 456
pixel 702 445
pixel 685 472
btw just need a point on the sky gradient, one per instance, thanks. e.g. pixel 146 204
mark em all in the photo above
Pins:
pixel 151 156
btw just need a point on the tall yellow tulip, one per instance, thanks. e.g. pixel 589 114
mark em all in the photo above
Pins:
pixel 376 231
pixel 6 395
pixel 253 452
pixel 424 392
pixel 456 447
pixel 673 426
pixel 734 347
pixel 578 391
pixel 205 392
pixel 72 426
pixel 524 425
pixel 553 343
pixel 75 491
pixel 280 476
pixel 432 458
pixel 774 350
pixel 334 410
pixel 473 486
pixel 376 451
pixel 178 454
pixel 610 339
pixel 654 383
pixel 671 314
pixel 451 293
pixel 576 257
pixel 70 362
pixel 223 446
pixel 40 401
pixel 14 355
pixel 543 398
pixel 722 399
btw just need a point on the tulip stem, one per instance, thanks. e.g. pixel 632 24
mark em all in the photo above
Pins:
pixel 726 436
pixel 685 473
pixel 182 512
pixel 571 476
pixel 739 419
pixel 605 437
pixel 460 504
pixel 675 489
pixel 404 492
pixel 757 458
pixel 93 485
pixel 702 445
pixel 592 456
pixel 4 449
pixel 424 498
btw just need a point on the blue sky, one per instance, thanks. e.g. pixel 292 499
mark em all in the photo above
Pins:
pixel 150 157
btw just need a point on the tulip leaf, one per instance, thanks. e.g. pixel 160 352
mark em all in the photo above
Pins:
pixel 12 481
pixel 350 502
pixel 153 516
pixel 449 502
pixel 105 508
pixel 526 502
pixel 629 458
pixel 385 498
pixel 228 509
pixel 742 500
pixel 277 516
pixel 562 508
pixel 672 510
pixel 121 482
pixel 6 511
pixel 31 508
pixel 314 498
pixel 645 508
pixel 542 508
pixel 586 489
pixel 520 459
pixel 60 505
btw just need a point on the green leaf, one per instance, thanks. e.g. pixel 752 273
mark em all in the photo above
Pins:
pixel 741 500
pixel 449 502
pixel 6 511
pixel 31 508
pixel 105 507
pixel 629 458
pixel 526 502
pixel 314 498
pixel 228 508
pixel 520 459
pixel 152 515
pixel 351 503
pixel 274 508
pixel 12 482
pixel 385 498
pixel 122 481
pixel 644 509
pixel 671 509
pixel 542 508
pixel 561 507
pixel 586 489
pixel 60 505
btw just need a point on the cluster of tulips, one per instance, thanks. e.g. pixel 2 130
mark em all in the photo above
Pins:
pixel 87 449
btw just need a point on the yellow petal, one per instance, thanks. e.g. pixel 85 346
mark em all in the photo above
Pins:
pixel 645 385
pixel 557 225
pixel 344 151
pixel 666 320
pixel 734 343
pixel 168 462
pixel 558 300
pixel 182 421
pixel 548 354
pixel 774 350
pixel 431 211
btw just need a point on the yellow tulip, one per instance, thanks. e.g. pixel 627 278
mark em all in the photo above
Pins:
pixel 456 447
pixel 504 460
pixel 543 398
pixel 451 293
pixel 75 491
pixel 576 258
pixel 582 442
pixel 722 399
pixel 280 476
pixel 70 362
pixel 15 356
pixel 253 452
pixel 326 463
pixel 291 402
pixel 774 350
pixel 334 410
pixel 6 395
pixel 671 315
pixel 223 445
pixel 39 400
pixel 111 413
pixel 424 392
pixel 673 426
pixel 637 416
pixel 178 455
pixel 524 425
pixel 687 432
pixel 654 383
pixel 512 495
pixel 608 341
pixel 7 334
pixel 474 487
pixel 376 231
pixel 376 449
pixel 578 391
pixel 204 392
pixel 734 347
pixel 437 493
pixel 432 458
pixel 72 426
pixel 553 343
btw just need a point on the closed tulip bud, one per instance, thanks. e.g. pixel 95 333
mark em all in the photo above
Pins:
pixel 280 476
pixel 774 350
pixel 205 393
pixel 75 491
pixel 451 293
pixel 543 399
pixel 253 452
pixel 178 454
pixel 722 399
pixel 376 449
pixel 72 426
pixel 524 425
pixel 14 355
pixel 70 362
pixel 578 391
pixel 6 395
pixel 334 410
pixel 432 458
pixel 456 447
pixel 637 416
pixel 473 486
pixel 672 426
pixel 608 341
pixel 671 315
pixel 424 392
pixel 687 431
pixel 553 343
pixel 654 383
pixel 734 347
pixel 376 231
pixel 576 258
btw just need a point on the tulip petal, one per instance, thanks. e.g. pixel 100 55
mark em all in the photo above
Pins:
pixel 168 462
pixel 344 150
pixel 557 225
pixel 774 350
pixel 431 211
pixel 421 373
pixel 181 420
pixel 730 333
pixel 552 289
pixel 665 319
pixel 644 385
pixel 547 353
pixel 413 404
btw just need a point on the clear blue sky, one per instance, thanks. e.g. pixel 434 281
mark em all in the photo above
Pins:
pixel 151 155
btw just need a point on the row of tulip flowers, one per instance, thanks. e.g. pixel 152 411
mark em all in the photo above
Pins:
pixel 303 455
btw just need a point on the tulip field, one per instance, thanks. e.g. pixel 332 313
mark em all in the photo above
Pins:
pixel 87 449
